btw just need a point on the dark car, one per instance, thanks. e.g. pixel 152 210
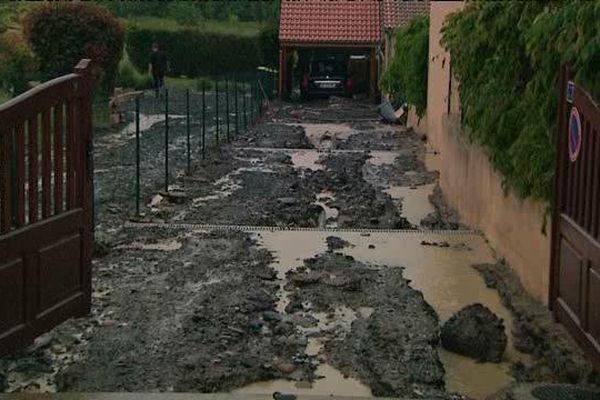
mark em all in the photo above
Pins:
pixel 325 78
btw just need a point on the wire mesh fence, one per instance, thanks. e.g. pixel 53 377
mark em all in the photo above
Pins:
pixel 166 135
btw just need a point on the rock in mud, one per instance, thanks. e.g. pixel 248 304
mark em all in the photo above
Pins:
pixel 336 243
pixel 272 316
pixel 555 356
pixel 476 332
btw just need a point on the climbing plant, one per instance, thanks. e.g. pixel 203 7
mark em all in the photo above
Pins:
pixel 406 75
pixel 507 58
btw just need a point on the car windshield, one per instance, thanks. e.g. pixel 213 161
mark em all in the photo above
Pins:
pixel 326 68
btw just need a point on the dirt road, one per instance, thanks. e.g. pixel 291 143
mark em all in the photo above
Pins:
pixel 313 254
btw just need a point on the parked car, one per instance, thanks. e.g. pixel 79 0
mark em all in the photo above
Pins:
pixel 325 77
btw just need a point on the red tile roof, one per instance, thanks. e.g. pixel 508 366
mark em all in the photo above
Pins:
pixel 400 12
pixel 330 21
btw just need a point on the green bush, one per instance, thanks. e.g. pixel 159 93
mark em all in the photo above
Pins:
pixel 406 75
pixel 61 34
pixel 195 52
pixel 17 65
pixel 129 77
pixel 507 57
pixel 269 43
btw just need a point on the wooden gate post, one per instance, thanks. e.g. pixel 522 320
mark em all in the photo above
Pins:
pixel 84 70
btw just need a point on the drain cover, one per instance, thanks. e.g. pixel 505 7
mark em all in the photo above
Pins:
pixel 565 392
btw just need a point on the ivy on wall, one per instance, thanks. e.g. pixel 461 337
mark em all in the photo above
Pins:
pixel 406 75
pixel 507 58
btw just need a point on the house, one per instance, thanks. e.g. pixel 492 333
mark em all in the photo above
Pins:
pixel 313 28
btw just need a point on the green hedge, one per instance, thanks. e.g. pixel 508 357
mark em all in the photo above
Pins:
pixel 193 52
pixel 507 57
pixel 406 75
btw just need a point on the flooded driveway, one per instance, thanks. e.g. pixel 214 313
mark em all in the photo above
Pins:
pixel 314 254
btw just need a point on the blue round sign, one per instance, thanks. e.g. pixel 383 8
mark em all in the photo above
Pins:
pixel 575 135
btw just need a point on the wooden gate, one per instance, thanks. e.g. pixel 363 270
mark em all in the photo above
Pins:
pixel 46 214
pixel 575 275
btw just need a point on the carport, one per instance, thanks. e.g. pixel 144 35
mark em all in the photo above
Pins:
pixel 347 30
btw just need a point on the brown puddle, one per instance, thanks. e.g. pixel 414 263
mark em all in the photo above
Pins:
pixel 444 276
pixel 413 202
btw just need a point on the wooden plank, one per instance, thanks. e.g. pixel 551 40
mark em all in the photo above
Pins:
pixel 589 186
pixel 33 153
pixel 71 155
pixel 596 197
pixel 5 194
pixel 46 164
pixel 58 158
pixel 20 176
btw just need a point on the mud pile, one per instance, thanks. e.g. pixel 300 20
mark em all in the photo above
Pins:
pixel 275 135
pixel 391 343
pixel 556 358
pixel 326 110
pixel 198 318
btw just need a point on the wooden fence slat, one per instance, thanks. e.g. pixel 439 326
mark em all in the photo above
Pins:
pixel 58 158
pixel 596 199
pixel 5 194
pixel 46 164
pixel 33 169
pixel 589 147
pixel 20 176
pixel 71 155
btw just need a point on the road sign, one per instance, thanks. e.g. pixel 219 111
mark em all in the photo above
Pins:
pixel 575 134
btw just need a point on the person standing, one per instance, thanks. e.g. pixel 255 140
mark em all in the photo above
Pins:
pixel 157 67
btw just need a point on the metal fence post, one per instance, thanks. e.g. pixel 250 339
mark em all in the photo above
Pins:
pixel 217 109
pixel 166 140
pixel 189 147
pixel 244 106
pixel 203 120
pixel 235 94
pixel 137 156
pixel 227 107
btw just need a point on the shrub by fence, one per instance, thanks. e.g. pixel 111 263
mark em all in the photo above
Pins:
pixel 406 75
pixel 507 57
pixel 194 52
pixel 61 34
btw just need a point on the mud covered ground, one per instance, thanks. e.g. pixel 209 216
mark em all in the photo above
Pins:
pixel 391 343
pixel 207 310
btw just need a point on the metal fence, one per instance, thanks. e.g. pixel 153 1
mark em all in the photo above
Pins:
pixel 193 124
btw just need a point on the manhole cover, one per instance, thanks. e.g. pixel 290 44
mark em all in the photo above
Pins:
pixel 565 392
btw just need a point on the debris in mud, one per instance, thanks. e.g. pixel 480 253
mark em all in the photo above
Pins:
pixel 336 243
pixel 275 135
pixel 435 244
pixel 545 391
pixel 476 332
pixel 444 217
pixel 205 320
pixel 392 348
pixel 556 358
pixel 359 203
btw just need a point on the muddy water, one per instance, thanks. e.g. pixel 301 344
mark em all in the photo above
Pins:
pixel 306 159
pixel 322 135
pixel 415 204
pixel 288 257
pixel 382 157
pixel 444 276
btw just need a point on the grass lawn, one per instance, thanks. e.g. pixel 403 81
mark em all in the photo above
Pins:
pixel 243 28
